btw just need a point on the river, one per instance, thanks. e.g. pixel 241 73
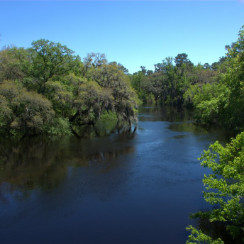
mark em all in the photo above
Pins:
pixel 127 188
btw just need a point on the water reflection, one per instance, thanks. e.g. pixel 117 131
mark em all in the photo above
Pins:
pixel 43 163
pixel 170 114
pixel 212 133
pixel 182 120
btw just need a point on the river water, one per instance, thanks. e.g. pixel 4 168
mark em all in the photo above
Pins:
pixel 130 188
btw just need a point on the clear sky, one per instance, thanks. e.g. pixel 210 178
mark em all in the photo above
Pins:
pixel 133 33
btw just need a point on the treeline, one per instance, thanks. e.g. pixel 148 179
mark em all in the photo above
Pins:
pixel 47 89
pixel 214 91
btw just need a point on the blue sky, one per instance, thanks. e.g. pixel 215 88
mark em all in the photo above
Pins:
pixel 133 33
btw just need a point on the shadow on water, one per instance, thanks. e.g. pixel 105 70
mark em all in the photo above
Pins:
pixel 182 120
pixel 170 114
pixel 39 162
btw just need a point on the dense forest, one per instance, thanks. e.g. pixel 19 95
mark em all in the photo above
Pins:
pixel 215 91
pixel 47 89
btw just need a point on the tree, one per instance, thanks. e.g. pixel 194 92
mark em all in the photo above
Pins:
pixel 23 112
pixel 153 85
pixel 221 100
pixel 182 59
pixel 46 89
pixel 51 59
pixel 224 189
pixel 14 63
pixel 95 60
pixel 113 79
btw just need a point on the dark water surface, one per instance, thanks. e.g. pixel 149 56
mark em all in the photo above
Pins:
pixel 137 188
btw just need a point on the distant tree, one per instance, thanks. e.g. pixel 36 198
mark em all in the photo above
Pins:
pixel 95 60
pixel 206 66
pixel 120 67
pixel 149 72
pixel 222 100
pixel 181 59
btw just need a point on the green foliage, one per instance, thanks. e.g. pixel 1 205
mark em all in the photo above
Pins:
pixel 23 111
pixel 89 102
pixel 46 89
pixel 222 102
pixel 51 59
pixel 169 81
pixel 48 82
pixel 209 101
pixel 59 127
pixel 197 236
pixel 224 187
pixel 61 96
pixel 116 85
pixel 5 112
pixel 106 123
pixel 216 92
pixel 182 59
pixel 14 63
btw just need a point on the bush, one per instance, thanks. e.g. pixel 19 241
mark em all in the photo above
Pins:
pixel 58 127
pixel 23 111
pixel 106 123
pixel 224 189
